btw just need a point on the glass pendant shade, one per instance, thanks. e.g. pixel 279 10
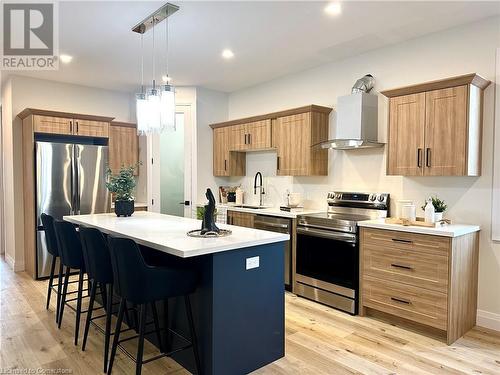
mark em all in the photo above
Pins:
pixel 154 124
pixel 141 105
pixel 167 107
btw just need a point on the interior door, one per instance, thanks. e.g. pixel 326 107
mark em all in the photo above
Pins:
pixel 91 163
pixel 406 135
pixel 175 167
pixel 446 132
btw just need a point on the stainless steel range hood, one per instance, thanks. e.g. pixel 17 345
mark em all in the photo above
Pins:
pixel 357 123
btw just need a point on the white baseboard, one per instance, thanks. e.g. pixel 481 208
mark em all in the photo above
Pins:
pixel 488 319
pixel 16 266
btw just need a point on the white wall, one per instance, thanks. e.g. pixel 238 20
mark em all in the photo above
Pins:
pixel 467 49
pixel 211 106
pixel 25 92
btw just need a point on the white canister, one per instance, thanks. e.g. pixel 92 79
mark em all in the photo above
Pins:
pixel 294 199
pixel 239 195
pixel 399 206
pixel 409 212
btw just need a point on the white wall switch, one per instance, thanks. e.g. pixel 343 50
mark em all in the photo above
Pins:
pixel 253 263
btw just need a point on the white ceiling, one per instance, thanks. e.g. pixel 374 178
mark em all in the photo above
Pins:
pixel 269 39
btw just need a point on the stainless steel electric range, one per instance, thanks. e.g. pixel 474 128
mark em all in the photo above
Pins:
pixel 327 258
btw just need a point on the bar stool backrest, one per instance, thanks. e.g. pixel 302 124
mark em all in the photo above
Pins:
pixel 69 244
pixel 50 234
pixel 129 268
pixel 96 255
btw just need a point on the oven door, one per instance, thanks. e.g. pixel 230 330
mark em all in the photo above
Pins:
pixel 329 257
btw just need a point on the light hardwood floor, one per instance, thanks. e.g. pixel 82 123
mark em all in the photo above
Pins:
pixel 319 340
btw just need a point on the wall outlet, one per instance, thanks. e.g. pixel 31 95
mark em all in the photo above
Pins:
pixel 253 262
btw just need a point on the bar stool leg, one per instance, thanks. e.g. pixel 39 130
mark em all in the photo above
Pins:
pixel 165 323
pixel 194 339
pixel 89 314
pixel 63 297
pixel 107 332
pixel 157 326
pixel 51 281
pixel 79 304
pixel 59 289
pixel 140 345
pixel 117 334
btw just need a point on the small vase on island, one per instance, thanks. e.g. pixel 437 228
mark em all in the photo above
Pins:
pixel 124 208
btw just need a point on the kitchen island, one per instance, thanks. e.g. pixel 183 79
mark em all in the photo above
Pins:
pixel 239 304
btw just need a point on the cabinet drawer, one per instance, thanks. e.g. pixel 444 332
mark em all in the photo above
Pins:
pixel 406 240
pixel 410 302
pixel 421 269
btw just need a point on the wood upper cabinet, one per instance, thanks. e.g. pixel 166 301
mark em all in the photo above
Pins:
pixel 226 162
pixel 435 128
pixel 406 135
pixel 53 125
pixel 91 128
pixel 123 146
pixel 292 133
pixel 295 138
pixel 251 136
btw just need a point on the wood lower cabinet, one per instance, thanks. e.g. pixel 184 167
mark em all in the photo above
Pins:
pixel 226 162
pixel 123 146
pixel 241 219
pixel 435 128
pixel 424 279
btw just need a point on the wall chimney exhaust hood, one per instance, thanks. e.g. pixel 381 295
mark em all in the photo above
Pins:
pixel 357 119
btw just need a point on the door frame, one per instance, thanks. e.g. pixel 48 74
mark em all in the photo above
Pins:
pixel 190 170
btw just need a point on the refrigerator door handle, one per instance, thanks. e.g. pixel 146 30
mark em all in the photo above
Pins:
pixel 77 180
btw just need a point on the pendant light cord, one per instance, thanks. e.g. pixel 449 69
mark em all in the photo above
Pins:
pixel 154 24
pixel 142 63
pixel 166 57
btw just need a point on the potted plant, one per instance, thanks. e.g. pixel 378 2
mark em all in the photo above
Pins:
pixel 439 208
pixel 122 187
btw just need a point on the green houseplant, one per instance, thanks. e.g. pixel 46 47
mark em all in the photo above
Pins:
pixel 439 207
pixel 122 186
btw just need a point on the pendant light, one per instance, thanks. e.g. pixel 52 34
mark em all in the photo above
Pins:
pixel 155 107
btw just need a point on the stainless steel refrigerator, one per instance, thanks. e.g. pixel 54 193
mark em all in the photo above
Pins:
pixel 70 180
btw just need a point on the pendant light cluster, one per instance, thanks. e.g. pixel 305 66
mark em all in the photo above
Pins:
pixel 155 107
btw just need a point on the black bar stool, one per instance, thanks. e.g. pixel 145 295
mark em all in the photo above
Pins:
pixel 142 284
pixel 72 258
pixel 53 249
pixel 100 272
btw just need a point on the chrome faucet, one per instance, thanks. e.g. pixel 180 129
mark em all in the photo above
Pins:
pixel 260 187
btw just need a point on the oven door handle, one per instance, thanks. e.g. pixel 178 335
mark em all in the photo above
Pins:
pixel 332 227
pixel 344 237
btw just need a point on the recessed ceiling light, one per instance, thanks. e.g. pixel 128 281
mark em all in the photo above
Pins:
pixel 166 79
pixel 334 8
pixel 227 54
pixel 65 59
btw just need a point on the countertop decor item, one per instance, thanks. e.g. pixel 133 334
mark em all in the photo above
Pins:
pixel 439 208
pixel 122 186
pixel 208 225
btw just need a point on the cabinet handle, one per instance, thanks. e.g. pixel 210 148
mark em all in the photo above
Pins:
pixel 419 157
pixel 225 164
pixel 76 127
pixel 400 266
pixel 428 157
pixel 246 138
pixel 249 139
pixel 404 241
pixel 400 300
pixel 278 163
pixel 71 126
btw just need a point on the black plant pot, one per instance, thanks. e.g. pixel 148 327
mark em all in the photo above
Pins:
pixel 124 208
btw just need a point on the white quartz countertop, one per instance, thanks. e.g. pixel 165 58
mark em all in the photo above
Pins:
pixel 271 211
pixel 451 230
pixel 168 233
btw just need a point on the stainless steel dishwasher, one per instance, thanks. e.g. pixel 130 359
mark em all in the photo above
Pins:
pixel 280 225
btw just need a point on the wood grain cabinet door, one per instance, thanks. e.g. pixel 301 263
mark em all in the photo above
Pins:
pixel 446 132
pixel 241 219
pixel 53 125
pixel 221 152
pixel 258 135
pixel 237 138
pixel 293 144
pixel 91 128
pixel 123 147
pixel 406 135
